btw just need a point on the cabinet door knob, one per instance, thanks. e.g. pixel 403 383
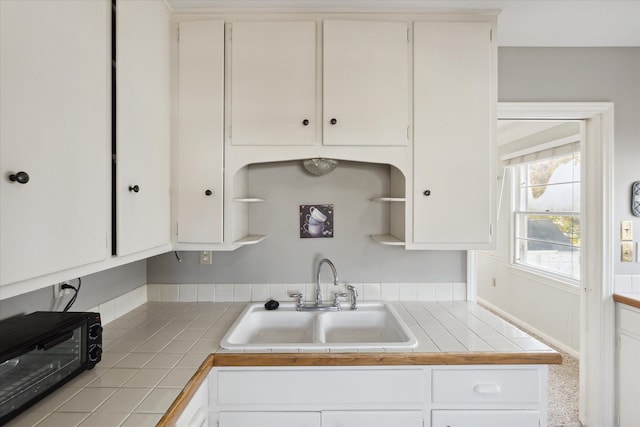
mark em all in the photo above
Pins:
pixel 333 121
pixel 208 193
pixel 20 177
pixel 427 192
pixel 305 122
pixel 134 188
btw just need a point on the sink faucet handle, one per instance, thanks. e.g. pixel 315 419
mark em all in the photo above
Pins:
pixel 336 298
pixel 299 296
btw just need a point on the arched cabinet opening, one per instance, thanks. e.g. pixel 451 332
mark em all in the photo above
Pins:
pixel 272 200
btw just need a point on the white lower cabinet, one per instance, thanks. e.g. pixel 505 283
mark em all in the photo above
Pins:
pixel 485 418
pixel 387 396
pixel 269 419
pixel 196 413
pixel 372 418
pixel 628 366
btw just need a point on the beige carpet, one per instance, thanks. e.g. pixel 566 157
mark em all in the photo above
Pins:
pixel 564 392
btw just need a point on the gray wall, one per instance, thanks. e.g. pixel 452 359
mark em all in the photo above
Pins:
pixel 284 257
pixel 586 74
pixel 96 289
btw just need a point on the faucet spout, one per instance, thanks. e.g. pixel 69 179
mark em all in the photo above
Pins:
pixel 335 279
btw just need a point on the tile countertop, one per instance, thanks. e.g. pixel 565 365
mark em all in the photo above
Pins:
pixel 151 353
pixel 629 298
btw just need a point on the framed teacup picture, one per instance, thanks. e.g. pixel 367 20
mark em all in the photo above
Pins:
pixel 316 221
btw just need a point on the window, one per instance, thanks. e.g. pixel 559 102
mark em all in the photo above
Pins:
pixel 547 214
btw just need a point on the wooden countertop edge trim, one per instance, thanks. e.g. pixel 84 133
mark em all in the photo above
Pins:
pixel 626 300
pixel 182 400
pixel 384 359
pixel 346 359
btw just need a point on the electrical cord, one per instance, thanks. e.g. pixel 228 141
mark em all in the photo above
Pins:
pixel 75 295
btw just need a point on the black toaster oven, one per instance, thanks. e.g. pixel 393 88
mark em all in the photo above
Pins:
pixel 40 352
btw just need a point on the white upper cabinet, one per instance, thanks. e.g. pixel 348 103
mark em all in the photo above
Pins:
pixel 365 83
pixel 200 132
pixel 143 116
pixel 55 127
pixel 275 79
pixel 454 121
pixel 273 83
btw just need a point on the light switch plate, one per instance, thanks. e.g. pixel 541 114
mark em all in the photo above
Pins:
pixel 626 230
pixel 206 258
pixel 627 251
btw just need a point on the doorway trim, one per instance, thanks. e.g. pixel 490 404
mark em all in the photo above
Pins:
pixel 597 309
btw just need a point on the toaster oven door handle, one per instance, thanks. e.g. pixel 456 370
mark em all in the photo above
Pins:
pixel 55 340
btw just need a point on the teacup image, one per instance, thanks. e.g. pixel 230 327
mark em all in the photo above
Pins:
pixel 316 214
pixel 314 229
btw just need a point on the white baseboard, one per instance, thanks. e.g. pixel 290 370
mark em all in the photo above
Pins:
pixel 529 328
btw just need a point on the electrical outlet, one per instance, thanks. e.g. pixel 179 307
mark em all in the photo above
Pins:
pixel 626 231
pixel 58 292
pixel 206 258
pixel 627 251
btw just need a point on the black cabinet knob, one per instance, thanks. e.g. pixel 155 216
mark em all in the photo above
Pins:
pixel 20 177
pixel 305 122
pixel 427 192
pixel 333 121
pixel 208 192
pixel 134 188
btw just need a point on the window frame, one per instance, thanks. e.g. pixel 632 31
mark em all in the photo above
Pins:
pixel 516 210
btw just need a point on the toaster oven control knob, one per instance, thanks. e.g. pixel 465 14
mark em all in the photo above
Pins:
pixel 94 353
pixel 95 331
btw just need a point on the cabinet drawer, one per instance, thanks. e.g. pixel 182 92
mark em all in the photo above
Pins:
pixel 242 388
pixel 269 419
pixel 372 418
pixel 486 385
pixel 485 418
pixel 629 320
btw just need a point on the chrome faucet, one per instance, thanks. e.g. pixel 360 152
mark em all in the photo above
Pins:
pixel 318 288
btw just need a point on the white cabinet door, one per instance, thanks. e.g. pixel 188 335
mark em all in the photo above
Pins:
pixel 629 380
pixel 196 413
pixel 454 118
pixel 54 115
pixel 365 83
pixel 143 114
pixel 372 419
pixel 628 365
pixel 273 83
pixel 269 419
pixel 485 418
pixel 200 133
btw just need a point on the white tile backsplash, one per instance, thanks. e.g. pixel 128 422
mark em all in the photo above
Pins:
pixel 259 293
pixel 627 283
pixel 241 293
pixel 371 292
pixel 188 293
pixel 224 292
pixel 170 293
pixel 389 292
pixel 206 293
pixel 280 292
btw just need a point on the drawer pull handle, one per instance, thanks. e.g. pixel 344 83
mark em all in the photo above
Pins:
pixel 486 388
